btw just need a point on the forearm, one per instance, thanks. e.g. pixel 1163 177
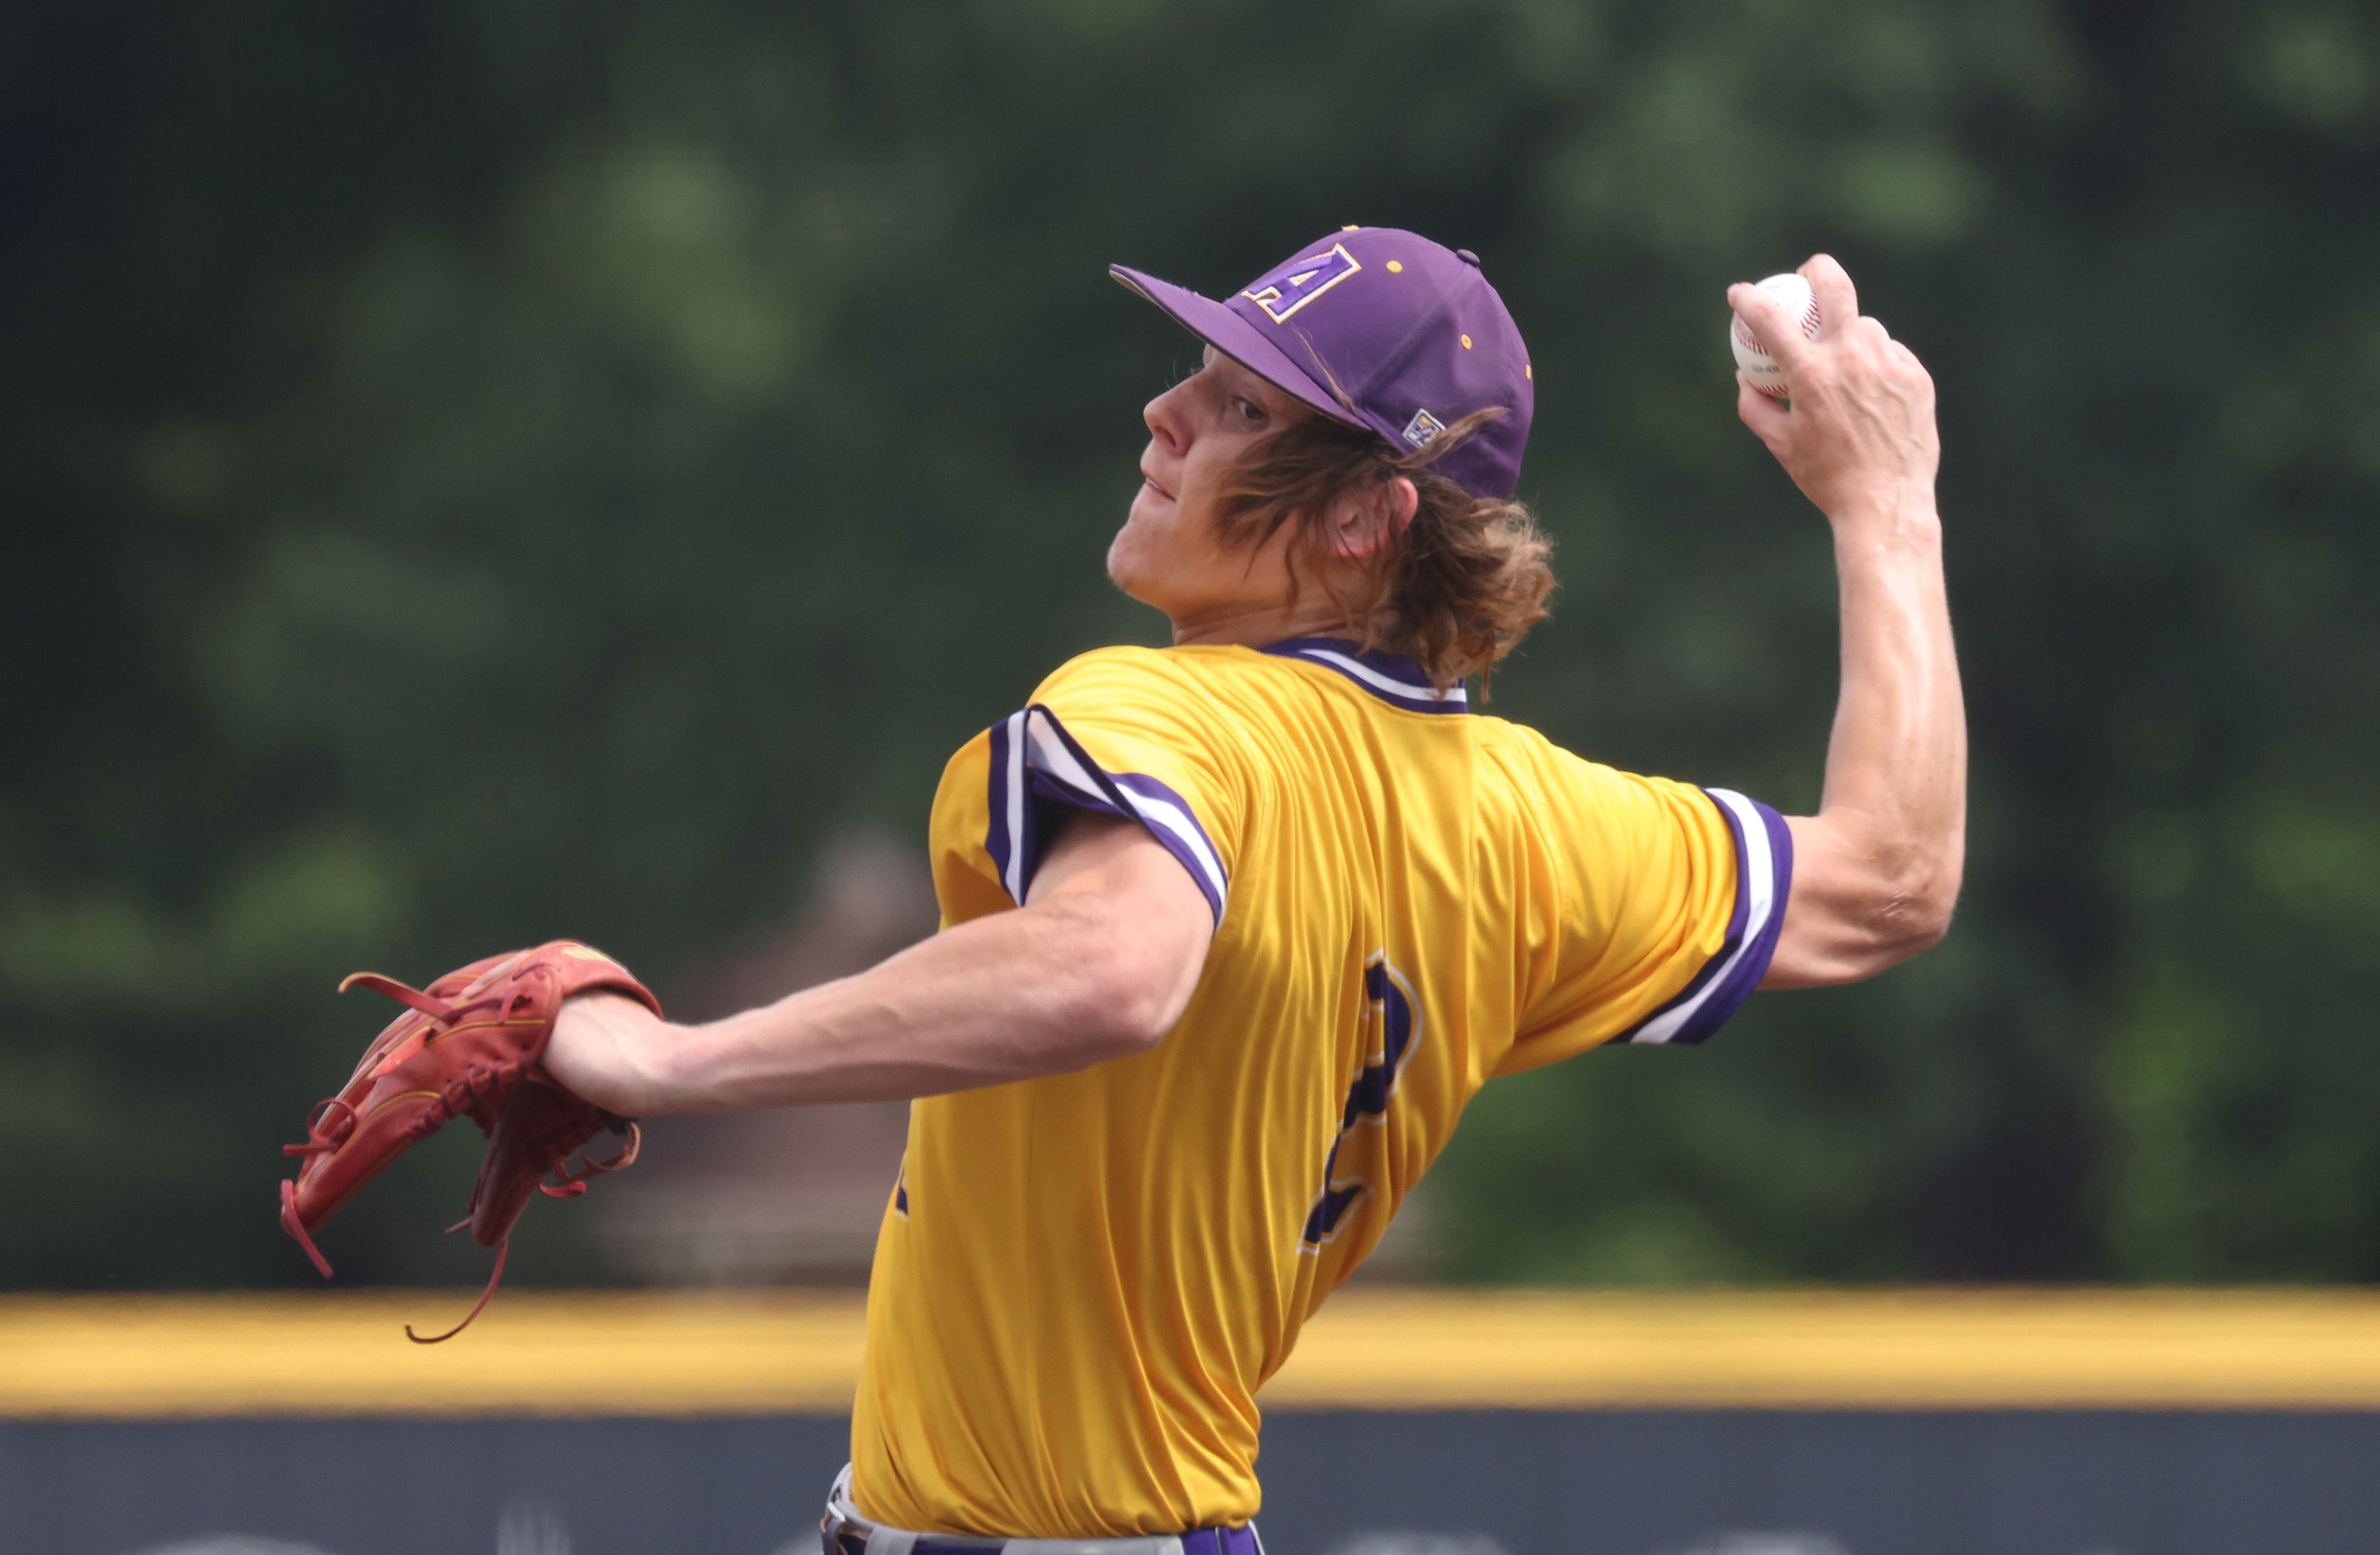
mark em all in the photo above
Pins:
pixel 1897 762
pixel 1099 964
pixel 1876 871
pixel 1003 997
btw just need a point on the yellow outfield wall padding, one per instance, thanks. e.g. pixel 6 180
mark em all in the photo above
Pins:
pixel 612 1354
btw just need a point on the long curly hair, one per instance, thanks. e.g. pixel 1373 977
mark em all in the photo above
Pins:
pixel 1455 591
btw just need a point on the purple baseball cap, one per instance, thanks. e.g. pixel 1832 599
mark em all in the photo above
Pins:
pixel 1383 330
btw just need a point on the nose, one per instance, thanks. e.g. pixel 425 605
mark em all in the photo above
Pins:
pixel 1165 422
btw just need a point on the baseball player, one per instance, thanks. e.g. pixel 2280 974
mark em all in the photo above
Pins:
pixel 1233 929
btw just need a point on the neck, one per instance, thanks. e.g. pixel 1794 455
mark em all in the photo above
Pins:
pixel 1260 625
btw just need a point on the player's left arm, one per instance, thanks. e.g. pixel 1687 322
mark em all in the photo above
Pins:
pixel 1876 871
pixel 1100 962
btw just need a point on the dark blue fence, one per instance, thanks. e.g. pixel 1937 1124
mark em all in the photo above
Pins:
pixel 1668 1482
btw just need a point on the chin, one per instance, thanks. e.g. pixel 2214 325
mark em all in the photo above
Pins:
pixel 1128 570
pixel 1129 563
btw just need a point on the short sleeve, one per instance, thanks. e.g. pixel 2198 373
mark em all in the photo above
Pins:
pixel 1119 731
pixel 1665 903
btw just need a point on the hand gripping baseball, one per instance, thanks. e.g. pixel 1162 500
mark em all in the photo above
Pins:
pixel 1858 435
pixel 472 1044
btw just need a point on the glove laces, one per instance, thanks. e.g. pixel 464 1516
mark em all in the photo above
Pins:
pixel 334 1121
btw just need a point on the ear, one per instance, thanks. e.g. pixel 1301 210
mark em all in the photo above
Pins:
pixel 1363 521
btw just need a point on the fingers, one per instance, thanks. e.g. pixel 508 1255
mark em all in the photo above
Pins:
pixel 1906 359
pixel 1831 284
pixel 1779 336
pixel 1766 415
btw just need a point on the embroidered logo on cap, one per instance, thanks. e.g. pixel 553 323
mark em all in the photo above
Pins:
pixel 1301 281
pixel 1423 430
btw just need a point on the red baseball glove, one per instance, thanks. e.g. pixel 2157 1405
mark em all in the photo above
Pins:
pixel 471 1043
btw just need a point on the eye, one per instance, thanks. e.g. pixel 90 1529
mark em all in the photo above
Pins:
pixel 1249 412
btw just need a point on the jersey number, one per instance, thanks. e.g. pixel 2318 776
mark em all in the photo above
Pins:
pixel 1391 1011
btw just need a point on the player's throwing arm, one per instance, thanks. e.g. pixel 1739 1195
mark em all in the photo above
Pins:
pixel 1876 871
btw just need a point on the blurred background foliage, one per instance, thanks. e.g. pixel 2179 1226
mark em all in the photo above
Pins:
pixel 478 472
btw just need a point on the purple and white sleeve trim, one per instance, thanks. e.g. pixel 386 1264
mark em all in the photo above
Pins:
pixel 1033 757
pixel 1764 878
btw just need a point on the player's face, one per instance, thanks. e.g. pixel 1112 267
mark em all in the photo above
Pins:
pixel 1170 553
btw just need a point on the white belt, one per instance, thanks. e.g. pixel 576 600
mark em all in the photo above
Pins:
pixel 883 1540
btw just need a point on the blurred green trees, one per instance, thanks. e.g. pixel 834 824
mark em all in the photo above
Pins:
pixel 478 472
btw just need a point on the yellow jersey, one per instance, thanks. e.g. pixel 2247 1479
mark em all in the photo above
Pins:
pixel 1082 1280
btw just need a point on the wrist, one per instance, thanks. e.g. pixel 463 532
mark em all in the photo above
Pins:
pixel 656 1051
pixel 613 1050
pixel 1888 520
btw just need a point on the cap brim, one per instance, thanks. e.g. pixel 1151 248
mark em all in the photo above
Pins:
pixel 1242 342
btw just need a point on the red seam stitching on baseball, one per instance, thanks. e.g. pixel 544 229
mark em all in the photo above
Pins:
pixel 1810 323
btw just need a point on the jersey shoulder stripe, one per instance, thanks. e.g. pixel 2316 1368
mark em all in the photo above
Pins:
pixel 1033 755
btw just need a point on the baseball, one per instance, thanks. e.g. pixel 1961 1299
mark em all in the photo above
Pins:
pixel 1792 294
